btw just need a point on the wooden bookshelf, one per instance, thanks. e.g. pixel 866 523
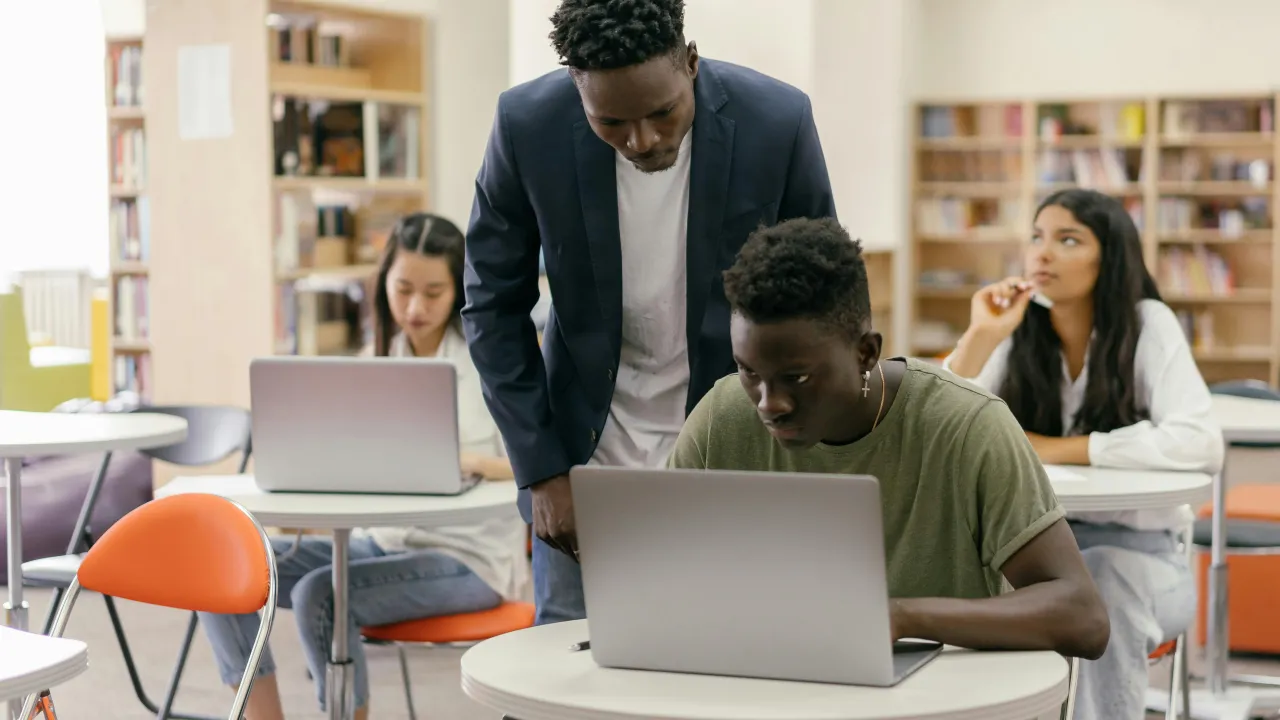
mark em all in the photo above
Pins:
pixel 268 235
pixel 129 231
pixel 1196 173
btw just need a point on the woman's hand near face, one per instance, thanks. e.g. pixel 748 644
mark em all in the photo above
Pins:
pixel 997 309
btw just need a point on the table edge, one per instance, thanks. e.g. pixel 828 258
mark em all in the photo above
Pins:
pixel 1034 705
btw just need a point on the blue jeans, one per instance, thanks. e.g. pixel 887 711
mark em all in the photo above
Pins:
pixel 557 586
pixel 384 588
pixel 1145 582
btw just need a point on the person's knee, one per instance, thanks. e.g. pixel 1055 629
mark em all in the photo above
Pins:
pixel 312 596
pixel 1113 572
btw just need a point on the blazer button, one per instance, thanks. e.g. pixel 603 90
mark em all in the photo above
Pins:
pixel 593 434
pixel 609 372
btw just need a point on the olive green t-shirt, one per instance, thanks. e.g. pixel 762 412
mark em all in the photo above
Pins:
pixel 962 489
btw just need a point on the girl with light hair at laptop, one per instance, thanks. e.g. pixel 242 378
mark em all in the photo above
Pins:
pixel 397 574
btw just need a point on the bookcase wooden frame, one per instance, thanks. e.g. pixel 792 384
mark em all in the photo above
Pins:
pixel 215 278
pixel 122 117
pixel 1246 345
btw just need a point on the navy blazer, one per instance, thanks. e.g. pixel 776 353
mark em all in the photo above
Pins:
pixel 548 183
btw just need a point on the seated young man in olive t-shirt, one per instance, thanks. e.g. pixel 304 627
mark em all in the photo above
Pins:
pixel 965 499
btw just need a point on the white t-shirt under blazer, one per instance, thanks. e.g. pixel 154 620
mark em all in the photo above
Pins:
pixel 1180 435
pixel 652 383
pixel 495 549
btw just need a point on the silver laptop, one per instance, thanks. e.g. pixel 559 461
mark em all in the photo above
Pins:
pixel 347 424
pixel 762 575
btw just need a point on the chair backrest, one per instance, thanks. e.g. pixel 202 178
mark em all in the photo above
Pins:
pixel 1255 389
pixel 196 552
pixel 191 552
pixel 214 433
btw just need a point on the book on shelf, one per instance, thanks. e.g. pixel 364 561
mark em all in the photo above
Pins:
pixel 129 158
pixel 304 41
pixel 960 216
pixel 133 373
pixel 1232 217
pixel 1190 117
pixel 1097 169
pixel 989 121
pixel 129 229
pixel 1189 165
pixel 124 75
pixel 1197 271
pixel 970 166
pixel 132 311
pixel 1118 121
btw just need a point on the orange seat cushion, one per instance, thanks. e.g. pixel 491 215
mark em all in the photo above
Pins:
pixel 1163 650
pixel 1250 502
pixel 463 627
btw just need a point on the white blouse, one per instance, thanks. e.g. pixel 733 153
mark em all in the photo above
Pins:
pixel 495 550
pixel 1180 435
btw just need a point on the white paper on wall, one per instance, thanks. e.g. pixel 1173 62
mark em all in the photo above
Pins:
pixel 204 92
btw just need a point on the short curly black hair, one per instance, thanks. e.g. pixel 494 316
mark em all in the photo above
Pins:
pixel 801 269
pixel 610 34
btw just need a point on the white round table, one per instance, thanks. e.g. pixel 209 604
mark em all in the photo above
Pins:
pixel 34 433
pixel 533 675
pixel 31 663
pixel 1092 489
pixel 340 513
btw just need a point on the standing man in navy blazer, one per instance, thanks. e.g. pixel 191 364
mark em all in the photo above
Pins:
pixel 639 172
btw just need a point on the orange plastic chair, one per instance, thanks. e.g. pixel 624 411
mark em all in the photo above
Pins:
pixel 193 552
pixel 448 630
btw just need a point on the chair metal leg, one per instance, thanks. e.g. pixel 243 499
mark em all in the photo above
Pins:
pixel 171 692
pixel 404 672
pixel 132 669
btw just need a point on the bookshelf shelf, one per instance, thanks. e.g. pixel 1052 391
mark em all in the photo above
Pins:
pixel 1214 188
pixel 394 186
pixel 123 114
pixel 1214 236
pixel 129 268
pixel 1088 142
pixel 1226 139
pixel 1195 173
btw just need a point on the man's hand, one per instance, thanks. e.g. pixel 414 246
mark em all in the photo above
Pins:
pixel 900 620
pixel 553 521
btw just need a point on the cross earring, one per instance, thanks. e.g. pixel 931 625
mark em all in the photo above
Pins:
pixel 866 383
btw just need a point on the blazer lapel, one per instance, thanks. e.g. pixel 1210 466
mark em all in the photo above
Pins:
pixel 598 191
pixel 711 164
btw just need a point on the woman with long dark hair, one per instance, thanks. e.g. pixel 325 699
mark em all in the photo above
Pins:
pixel 1097 370
pixel 396 574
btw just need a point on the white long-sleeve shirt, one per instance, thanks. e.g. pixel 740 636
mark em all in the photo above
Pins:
pixel 1180 434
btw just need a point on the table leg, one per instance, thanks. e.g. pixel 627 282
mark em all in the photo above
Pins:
pixel 16 608
pixel 340 674
pixel 1218 644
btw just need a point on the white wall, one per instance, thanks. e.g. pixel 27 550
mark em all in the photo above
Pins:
pixel 748 32
pixel 55 203
pixel 1088 48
